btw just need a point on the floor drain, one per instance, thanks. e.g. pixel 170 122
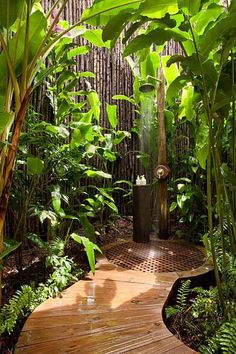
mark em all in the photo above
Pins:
pixel 156 256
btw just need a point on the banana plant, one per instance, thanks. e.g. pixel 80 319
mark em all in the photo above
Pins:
pixel 205 30
pixel 27 35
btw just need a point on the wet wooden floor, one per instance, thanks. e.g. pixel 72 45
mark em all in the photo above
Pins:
pixel 116 311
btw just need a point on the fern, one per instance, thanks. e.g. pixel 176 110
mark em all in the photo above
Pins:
pixel 212 347
pixel 218 244
pixel 181 299
pixel 227 337
pixel 18 307
pixel 27 299
pixel 230 274
pixel 223 342
pixel 183 293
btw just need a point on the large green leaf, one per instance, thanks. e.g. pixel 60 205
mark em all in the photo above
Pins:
pixel 112 206
pixel 201 155
pixel 94 104
pixel 190 7
pixel 59 131
pixel 158 36
pixel 124 97
pixel 176 86
pixel 191 64
pixel 112 114
pixel 95 37
pixel 94 173
pixel 232 7
pixel 201 20
pixel 212 37
pixel 109 155
pixel 90 247
pixel 115 26
pixel 104 192
pixel 78 51
pixel 10 11
pixel 5 120
pixel 37 27
pixel 8 247
pixel 121 135
pixel 186 105
pixel 102 11
pixel 202 138
pixel 56 199
pixel 36 239
pixel 35 166
pixel 82 133
pixel 149 66
pixel 88 227
pixel 158 8
pixel 133 28
pixel 171 73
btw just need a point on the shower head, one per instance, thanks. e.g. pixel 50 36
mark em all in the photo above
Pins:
pixel 146 87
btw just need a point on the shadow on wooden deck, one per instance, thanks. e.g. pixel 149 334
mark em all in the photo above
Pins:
pixel 116 311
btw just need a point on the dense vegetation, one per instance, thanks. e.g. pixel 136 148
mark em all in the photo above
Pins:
pixel 63 166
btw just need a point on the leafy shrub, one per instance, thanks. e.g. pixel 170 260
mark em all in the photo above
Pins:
pixel 181 299
pixel 224 340
pixel 27 298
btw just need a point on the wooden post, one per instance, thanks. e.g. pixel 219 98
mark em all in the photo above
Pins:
pixel 162 158
pixel 141 213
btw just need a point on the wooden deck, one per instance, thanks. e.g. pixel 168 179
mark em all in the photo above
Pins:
pixel 114 312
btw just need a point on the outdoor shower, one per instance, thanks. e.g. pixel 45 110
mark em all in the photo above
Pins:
pixel 142 194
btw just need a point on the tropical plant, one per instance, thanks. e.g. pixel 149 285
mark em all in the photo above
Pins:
pixel 191 210
pixel 181 299
pixel 27 36
pixel 27 298
pixel 223 341
pixel 205 31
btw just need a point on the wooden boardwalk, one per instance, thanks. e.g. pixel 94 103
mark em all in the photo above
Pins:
pixel 114 312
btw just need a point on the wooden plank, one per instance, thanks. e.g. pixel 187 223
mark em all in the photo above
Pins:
pixel 115 312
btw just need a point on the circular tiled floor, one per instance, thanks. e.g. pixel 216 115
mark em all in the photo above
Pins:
pixel 155 256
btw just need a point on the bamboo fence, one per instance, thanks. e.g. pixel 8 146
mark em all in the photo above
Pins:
pixel 112 76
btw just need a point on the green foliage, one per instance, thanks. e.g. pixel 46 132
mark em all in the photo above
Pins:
pixel 220 255
pixel 223 342
pixel 181 299
pixel 18 307
pixel 9 12
pixel 35 166
pixel 183 293
pixel 66 151
pixel 90 248
pixel 27 298
pixel 206 307
pixel 8 247
pixel 201 94
pixel 112 115
pixel 190 208
pixel 227 337
pixel 102 11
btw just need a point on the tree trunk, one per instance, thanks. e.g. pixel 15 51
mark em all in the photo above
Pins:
pixel 8 173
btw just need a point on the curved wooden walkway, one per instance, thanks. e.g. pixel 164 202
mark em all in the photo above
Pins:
pixel 114 312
